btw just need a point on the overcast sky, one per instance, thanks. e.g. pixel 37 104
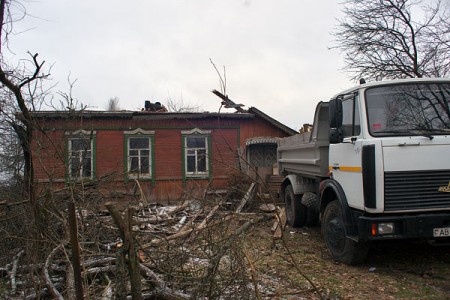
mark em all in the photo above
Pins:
pixel 275 52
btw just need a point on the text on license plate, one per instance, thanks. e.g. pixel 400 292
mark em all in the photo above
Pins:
pixel 441 232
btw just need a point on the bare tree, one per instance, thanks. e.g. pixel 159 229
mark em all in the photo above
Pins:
pixel 181 106
pixel 22 92
pixel 394 39
pixel 11 164
pixel 113 104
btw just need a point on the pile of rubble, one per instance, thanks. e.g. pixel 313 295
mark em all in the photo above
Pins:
pixel 191 250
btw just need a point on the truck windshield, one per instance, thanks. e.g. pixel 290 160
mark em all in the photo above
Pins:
pixel 409 109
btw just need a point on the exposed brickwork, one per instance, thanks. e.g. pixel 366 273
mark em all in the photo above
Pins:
pixel 168 183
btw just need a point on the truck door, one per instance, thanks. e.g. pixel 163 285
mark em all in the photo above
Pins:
pixel 345 157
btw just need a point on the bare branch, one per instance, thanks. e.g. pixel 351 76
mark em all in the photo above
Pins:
pixel 222 80
pixel 113 104
pixel 382 39
pixel 181 106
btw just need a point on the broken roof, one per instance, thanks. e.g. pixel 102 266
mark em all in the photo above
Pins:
pixel 136 115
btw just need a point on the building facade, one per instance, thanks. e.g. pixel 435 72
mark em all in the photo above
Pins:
pixel 162 156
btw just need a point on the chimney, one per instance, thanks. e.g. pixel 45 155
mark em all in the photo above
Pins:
pixel 147 105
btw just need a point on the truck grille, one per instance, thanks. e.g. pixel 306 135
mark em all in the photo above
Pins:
pixel 416 190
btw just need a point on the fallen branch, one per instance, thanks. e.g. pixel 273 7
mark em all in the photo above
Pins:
pixel 143 198
pixel 108 291
pixel 253 274
pixel 97 262
pixel 161 290
pixel 279 224
pixel 12 274
pixel 4 202
pixel 157 242
pixel 52 289
pixel 214 262
pixel 100 269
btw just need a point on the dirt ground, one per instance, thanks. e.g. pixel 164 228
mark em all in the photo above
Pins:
pixel 393 270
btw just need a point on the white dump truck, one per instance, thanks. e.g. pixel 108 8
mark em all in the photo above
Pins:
pixel 376 166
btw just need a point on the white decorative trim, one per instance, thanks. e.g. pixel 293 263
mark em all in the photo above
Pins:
pixel 195 131
pixel 81 132
pixel 139 131
pixel 262 140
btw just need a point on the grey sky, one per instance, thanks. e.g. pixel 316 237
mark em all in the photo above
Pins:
pixel 275 52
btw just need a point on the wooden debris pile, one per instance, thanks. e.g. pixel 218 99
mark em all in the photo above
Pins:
pixel 191 250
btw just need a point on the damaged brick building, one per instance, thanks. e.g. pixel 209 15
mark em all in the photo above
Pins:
pixel 162 155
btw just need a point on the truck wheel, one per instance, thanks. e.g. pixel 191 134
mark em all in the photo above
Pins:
pixel 311 201
pixel 341 247
pixel 295 210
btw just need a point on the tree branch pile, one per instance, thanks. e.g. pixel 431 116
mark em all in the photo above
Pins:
pixel 186 251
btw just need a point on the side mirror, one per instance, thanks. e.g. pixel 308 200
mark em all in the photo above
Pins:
pixel 335 113
pixel 335 135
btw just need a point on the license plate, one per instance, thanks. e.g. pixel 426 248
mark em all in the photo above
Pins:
pixel 437 232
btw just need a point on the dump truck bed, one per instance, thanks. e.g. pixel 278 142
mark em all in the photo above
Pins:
pixel 303 158
pixel 307 153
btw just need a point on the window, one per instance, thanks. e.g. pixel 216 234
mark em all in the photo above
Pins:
pixel 196 148
pixel 262 155
pixel 196 153
pixel 350 119
pixel 409 109
pixel 138 161
pixel 80 158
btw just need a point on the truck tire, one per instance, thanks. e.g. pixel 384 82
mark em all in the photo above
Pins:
pixel 342 248
pixel 311 201
pixel 295 210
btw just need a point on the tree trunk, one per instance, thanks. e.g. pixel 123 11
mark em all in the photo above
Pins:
pixel 126 233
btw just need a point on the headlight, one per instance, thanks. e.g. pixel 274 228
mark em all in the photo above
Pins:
pixel 383 228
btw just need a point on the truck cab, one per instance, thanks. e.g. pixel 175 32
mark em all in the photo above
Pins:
pixel 387 164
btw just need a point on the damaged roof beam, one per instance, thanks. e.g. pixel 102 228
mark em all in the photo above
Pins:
pixel 228 103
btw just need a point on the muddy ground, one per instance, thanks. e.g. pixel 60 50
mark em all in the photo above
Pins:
pixel 393 270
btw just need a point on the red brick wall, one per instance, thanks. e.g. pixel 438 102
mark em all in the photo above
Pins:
pixel 226 137
pixel 48 155
pixel 109 153
pixel 258 127
pixel 167 154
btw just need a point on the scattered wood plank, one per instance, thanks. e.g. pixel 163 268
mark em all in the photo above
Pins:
pixel 209 216
pixel 279 224
pixel 246 198
pixel 190 223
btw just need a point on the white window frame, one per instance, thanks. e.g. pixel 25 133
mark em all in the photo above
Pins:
pixel 139 133
pixel 196 133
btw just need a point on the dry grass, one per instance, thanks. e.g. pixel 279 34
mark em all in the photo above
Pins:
pixel 394 270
